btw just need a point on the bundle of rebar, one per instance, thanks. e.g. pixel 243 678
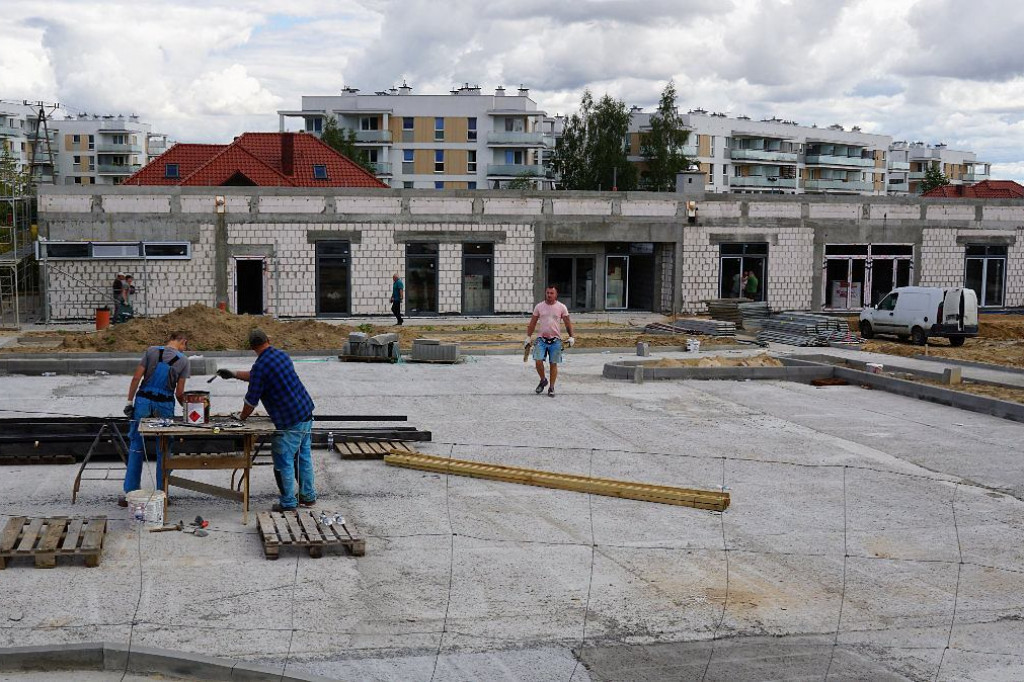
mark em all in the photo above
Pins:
pixel 805 329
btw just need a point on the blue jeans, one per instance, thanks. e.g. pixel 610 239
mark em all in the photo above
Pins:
pixel 144 407
pixel 550 350
pixel 289 443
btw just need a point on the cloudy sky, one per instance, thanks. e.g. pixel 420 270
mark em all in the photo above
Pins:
pixel 205 70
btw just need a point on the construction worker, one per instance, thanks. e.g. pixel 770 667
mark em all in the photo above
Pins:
pixel 273 380
pixel 547 318
pixel 158 381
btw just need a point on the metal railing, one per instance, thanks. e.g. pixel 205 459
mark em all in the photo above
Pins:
pixel 762 181
pixel 515 169
pixel 834 160
pixel 503 137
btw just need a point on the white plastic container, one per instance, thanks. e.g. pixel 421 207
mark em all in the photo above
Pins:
pixel 693 345
pixel 146 507
pixel 873 367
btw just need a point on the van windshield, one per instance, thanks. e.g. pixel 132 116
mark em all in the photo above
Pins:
pixel 889 302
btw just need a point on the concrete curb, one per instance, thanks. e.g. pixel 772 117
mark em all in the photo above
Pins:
pixel 969 363
pixel 627 369
pixel 861 365
pixel 617 350
pixel 198 366
pixel 141 660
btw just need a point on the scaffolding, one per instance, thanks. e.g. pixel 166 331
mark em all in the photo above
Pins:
pixel 20 296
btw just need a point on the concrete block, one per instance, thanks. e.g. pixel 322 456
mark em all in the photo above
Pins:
pixel 581 206
pixel 357 337
pixel 435 352
pixel 649 208
pixel 65 203
pixel 88 656
pixel 383 339
pixel 379 205
pixel 513 206
pixel 286 204
pixel 136 203
pixel 952 375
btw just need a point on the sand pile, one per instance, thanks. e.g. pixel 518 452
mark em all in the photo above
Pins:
pixel 209 329
pixel 761 360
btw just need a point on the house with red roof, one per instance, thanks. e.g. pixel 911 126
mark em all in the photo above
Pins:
pixel 256 160
pixel 986 189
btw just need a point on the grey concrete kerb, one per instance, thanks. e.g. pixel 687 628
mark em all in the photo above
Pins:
pixel 139 660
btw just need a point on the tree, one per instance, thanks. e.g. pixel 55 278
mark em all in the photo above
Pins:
pixel 523 181
pixel 933 177
pixel 343 141
pixel 14 181
pixel 660 146
pixel 591 153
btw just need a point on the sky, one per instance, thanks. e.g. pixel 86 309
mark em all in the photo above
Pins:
pixel 935 71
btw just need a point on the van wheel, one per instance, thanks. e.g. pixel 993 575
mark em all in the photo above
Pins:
pixel 919 336
pixel 956 341
pixel 866 331
pixel 902 337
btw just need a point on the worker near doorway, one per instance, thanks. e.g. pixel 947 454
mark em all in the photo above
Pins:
pixel 162 372
pixel 397 294
pixel 547 319
pixel 119 294
pixel 752 285
pixel 273 381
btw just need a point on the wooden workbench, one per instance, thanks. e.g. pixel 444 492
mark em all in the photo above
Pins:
pixel 239 445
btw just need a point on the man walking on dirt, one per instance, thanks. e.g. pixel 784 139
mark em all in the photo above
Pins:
pixel 397 292
pixel 547 318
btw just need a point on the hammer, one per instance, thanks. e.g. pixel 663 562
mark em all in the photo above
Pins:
pixel 162 529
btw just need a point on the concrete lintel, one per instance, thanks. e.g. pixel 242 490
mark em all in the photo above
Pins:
pixel 236 250
pixel 351 236
pixel 986 239
pixel 740 236
pixel 450 236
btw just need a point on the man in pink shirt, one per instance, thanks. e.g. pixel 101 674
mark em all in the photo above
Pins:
pixel 547 318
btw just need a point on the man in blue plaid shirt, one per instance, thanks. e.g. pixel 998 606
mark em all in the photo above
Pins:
pixel 273 380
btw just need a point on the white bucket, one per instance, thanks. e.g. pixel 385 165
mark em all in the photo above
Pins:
pixel 693 345
pixel 146 507
pixel 873 367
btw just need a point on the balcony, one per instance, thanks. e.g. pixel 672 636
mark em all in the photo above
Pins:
pixel 10 131
pixel 689 150
pixel 899 166
pixel 838 186
pixel 505 138
pixel 116 169
pixel 918 175
pixel 768 182
pixel 373 137
pixel 381 167
pixel 118 148
pixel 832 160
pixel 975 177
pixel 761 155
pixel 514 170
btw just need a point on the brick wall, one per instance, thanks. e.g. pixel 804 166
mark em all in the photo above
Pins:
pixel 791 269
pixel 1015 271
pixel 942 259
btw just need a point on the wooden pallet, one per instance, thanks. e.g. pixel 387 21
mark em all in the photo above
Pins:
pixel 46 539
pixel 688 497
pixel 303 529
pixel 370 449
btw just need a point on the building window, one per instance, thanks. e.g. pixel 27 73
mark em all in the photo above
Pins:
pixel 985 272
pixel 471 125
pixel 471 161
pixel 75 139
pixel 407 161
pixel 407 184
pixel 78 160
pixel 170 170
pixel 471 184
pixel 438 184
pixel 92 142
pixel 315 125
pixel 319 172
pixel 116 250
pixel 167 250
pixel 737 261
pixel 407 128
pixel 439 128
pixel 514 157
pixel 439 161
pixel 369 123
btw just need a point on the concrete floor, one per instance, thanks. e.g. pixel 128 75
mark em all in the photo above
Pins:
pixel 870 536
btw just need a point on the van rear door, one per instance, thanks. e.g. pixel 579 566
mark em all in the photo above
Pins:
pixel 953 310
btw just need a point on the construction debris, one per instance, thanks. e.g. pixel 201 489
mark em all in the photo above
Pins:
pixel 715 500
pixel 432 350
pixel 693 326
pixel 806 329
pixel 744 313
pixel 380 348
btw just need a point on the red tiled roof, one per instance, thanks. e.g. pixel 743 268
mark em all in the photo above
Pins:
pixel 986 189
pixel 261 158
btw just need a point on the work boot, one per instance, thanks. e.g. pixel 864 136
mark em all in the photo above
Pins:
pixel 122 501
pixel 540 386
pixel 278 508
pixel 551 392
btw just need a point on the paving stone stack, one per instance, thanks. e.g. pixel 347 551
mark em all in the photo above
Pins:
pixel 432 350
pixel 693 326
pixel 806 329
pixel 382 346
pixel 742 312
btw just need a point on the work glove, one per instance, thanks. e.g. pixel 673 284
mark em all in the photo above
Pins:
pixel 129 410
pixel 527 341
pixel 225 374
pixel 572 342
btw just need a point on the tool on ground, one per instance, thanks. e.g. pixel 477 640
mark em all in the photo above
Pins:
pixel 210 380
pixel 163 529
pixel 198 532
pixel 200 522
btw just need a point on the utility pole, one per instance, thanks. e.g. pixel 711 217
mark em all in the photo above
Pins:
pixel 41 150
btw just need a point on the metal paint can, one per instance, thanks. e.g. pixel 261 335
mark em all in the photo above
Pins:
pixel 197 407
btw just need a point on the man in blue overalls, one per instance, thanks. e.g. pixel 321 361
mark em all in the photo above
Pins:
pixel 162 372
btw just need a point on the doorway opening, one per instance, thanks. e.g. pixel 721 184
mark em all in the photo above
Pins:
pixel 249 286
pixel 574 278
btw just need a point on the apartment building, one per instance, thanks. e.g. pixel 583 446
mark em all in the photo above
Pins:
pixel 463 140
pixel 100 150
pixel 960 167
pixel 13 129
pixel 775 156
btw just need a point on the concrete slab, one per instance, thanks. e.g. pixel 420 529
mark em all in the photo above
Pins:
pixel 844 500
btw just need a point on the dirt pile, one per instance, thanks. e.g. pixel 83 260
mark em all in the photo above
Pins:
pixel 1000 342
pixel 209 329
pixel 761 360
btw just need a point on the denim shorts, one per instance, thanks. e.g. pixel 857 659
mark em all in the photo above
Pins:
pixel 543 349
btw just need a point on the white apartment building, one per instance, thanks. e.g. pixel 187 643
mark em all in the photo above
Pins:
pixel 13 128
pixel 100 150
pixel 776 156
pixel 462 140
pixel 18 135
pixel 909 162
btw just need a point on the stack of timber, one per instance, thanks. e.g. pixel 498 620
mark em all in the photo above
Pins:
pixel 806 329
pixel 363 348
pixel 693 326
pixel 715 500
pixel 742 312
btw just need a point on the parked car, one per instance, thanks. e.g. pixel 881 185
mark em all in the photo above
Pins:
pixel 921 312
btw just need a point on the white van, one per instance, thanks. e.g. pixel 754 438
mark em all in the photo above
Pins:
pixel 921 312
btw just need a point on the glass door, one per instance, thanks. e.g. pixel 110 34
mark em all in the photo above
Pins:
pixel 615 282
pixel 421 279
pixel 574 278
pixel 332 278
pixel 477 279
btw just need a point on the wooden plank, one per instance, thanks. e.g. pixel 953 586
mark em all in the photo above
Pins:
pixel 29 536
pixel 309 528
pixel 267 529
pixel 11 532
pixel 92 535
pixel 54 530
pixel 200 487
pixel 691 497
pixel 70 543
pixel 294 533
